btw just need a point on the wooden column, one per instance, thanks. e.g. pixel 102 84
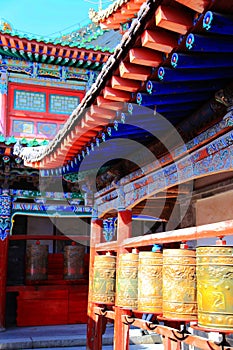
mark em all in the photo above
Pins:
pixel 121 330
pixel 94 335
pixel 5 216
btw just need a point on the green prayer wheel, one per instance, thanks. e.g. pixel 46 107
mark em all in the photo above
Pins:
pixel 215 287
pixel 127 281
pixel 179 284
pixel 104 280
pixel 150 287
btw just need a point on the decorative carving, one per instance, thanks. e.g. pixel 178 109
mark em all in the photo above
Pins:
pixel 127 281
pixel 179 284
pixel 103 290
pixel 225 97
pixel 150 275
pixel 5 214
pixel 4 83
pixel 215 287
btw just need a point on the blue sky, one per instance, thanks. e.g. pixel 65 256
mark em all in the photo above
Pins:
pixel 46 17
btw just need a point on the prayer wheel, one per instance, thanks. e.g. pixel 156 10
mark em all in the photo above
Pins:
pixel 37 262
pixel 74 262
pixel 150 282
pixel 104 280
pixel 215 287
pixel 179 284
pixel 127 281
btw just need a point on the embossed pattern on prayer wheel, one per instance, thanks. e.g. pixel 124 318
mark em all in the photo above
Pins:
pixel 127 281
pixel 215 287
pixel 37 262
pixel 179 284
pixel 104 280
pixel 74 262
pixel 150 282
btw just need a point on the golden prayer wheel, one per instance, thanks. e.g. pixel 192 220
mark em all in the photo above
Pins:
pixel 150 284
pixel 37 262
pixel 104 280
pixel 74 261
pixel 127 281
pixel 179 284
pixel 215 287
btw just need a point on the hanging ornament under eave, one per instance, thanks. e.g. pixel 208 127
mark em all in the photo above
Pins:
pixel 109 131
pixel 116 125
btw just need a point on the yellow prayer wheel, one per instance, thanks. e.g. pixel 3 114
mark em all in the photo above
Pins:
pixel 127 281
pixel 74 261
pixel 179 284
pixel 215 287
pixel 150 282
pixel 104 280
pixel 37 262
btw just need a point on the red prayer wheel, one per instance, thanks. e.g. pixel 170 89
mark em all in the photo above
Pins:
pixel 74 262
pixel 37 262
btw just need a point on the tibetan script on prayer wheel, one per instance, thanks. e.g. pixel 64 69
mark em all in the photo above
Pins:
pixel 127 281
pixel 215 287
pixel 179 284
pixel 150 282
pixel 104 281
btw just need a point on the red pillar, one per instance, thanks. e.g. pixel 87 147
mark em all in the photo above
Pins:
pixel 94 335
pixel 3 274
pixel 121 331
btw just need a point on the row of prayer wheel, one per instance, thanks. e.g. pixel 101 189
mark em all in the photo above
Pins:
pixel 37 262
pixel 178 284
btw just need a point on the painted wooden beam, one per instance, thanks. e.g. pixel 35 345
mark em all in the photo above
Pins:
pixel 213 43
pixel 133 6
pixel 121 18
pixel 133 71
pixel 159 40
pixel 103 113
pixel 157 88
pixel 201 60
pixel 125 84
pixel 218 23
pixel 115 106
pixel 145 57
pixel 150 100
pixel 109 25
pixel 176 20
pixel 116 95
pixel 196 5
pixel 128 12
pixel 167 74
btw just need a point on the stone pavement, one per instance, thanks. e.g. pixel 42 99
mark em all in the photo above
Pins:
pixel 67 337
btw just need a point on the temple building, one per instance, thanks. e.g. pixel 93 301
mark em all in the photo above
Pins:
pixel 42 82
pixel 149 151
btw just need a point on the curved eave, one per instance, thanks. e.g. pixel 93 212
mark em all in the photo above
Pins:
pixel 118 13
pixel 148 75
pixel 36 51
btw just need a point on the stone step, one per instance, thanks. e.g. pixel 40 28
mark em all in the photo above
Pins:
pixel 66 336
